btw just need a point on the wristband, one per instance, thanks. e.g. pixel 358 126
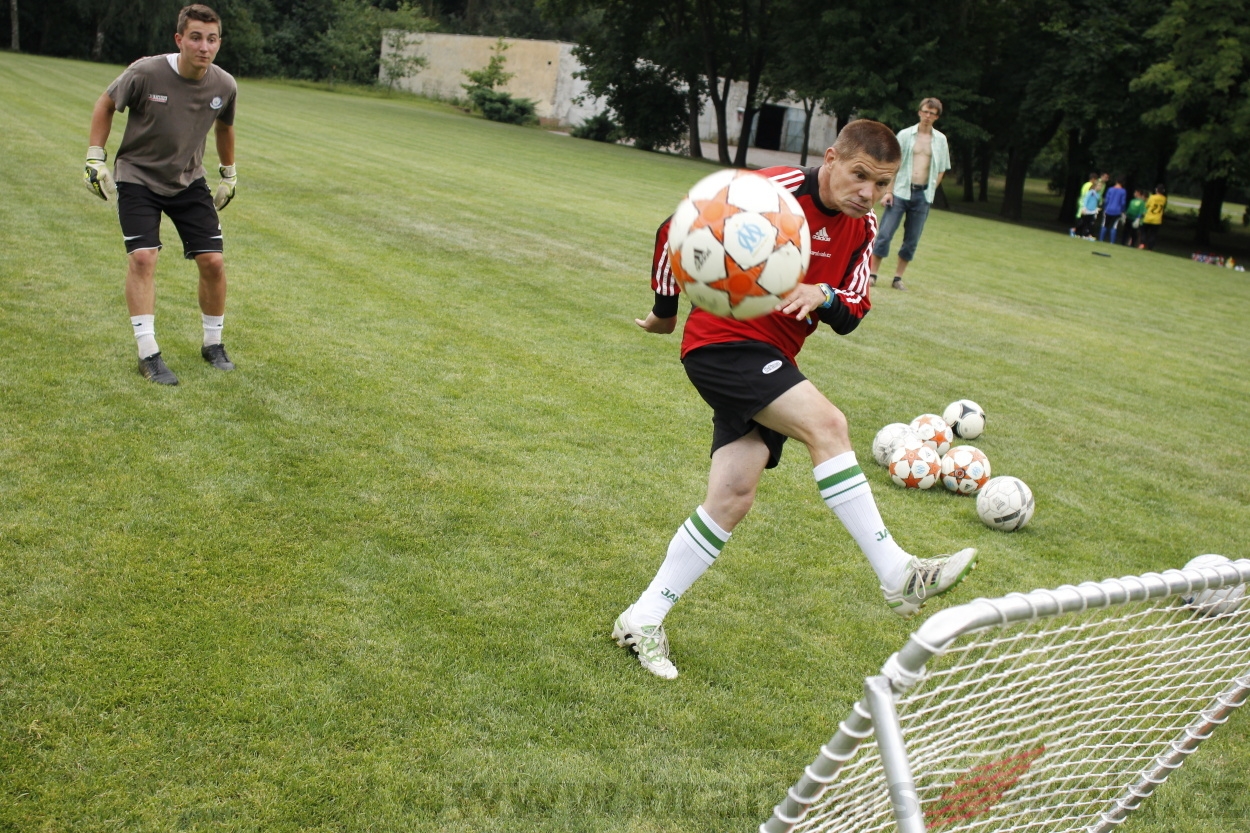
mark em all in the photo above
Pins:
pixel 824 287
pixel 97 154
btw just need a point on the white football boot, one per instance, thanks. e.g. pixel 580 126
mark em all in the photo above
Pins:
pixel 929 577
pixel 648 642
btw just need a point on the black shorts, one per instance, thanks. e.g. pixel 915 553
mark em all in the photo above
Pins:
pixel 139 208
pixel 739 380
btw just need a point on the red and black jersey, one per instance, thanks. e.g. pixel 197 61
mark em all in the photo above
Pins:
pixel 841 247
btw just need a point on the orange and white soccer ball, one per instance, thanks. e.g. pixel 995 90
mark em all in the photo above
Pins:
pixel 889 438
pixel 914 465
pixel 934 432
pixel 737 243
pixel 965 469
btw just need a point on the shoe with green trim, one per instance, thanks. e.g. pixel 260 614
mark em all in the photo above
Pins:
pixel 648 642
pixel 929 577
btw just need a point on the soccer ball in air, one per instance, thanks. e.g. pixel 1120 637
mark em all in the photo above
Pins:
pixel 914 465
pixel 1005 503
pixel 888 439
pixel 737 243
pixel 934 432
pixel 965 469
pixel 966 418
pixel 1214 602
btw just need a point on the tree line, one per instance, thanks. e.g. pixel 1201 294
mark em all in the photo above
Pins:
pixel 1156 91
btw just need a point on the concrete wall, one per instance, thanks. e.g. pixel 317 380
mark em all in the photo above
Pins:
pixel 544 74
pixel 824 128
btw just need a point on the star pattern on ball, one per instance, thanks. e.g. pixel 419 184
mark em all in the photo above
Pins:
pixel 675 267
pixel 912 456
pixel 789 226
pixel 740 283
pixel 714 212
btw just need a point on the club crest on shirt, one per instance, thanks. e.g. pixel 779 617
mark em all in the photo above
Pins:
pixel 159 99
pixel 215 103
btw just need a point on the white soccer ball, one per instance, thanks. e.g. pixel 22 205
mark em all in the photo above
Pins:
pixel 966 418
pixel 914 465
pixel 1005 503
pixel 1214 602
pixel 737 243
pixel 934 432
pixel 888 439
pixel 965 470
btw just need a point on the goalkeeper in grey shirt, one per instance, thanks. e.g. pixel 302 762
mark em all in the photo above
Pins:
pixel 173 101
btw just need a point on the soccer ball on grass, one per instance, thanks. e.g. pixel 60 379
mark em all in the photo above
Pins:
pixel 966 418
pixel 914 465
pixel 1214 602
pixel 934 432
pixel 737 243
pixel 965 469
pixel 888 439
pixel 1005 503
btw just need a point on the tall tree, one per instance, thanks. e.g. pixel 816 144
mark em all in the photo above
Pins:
pixel 737 30
pixel 1204 89
pixel 637 59
pixel 15 40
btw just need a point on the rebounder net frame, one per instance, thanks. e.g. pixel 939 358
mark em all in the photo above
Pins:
pixel 1053 710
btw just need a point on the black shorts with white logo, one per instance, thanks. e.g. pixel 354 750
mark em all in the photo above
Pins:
pixel 738 380
pixel 139 208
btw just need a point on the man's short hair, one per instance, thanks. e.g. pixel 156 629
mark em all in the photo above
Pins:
pixel 868 137
pixel 930 102
pixel 199 12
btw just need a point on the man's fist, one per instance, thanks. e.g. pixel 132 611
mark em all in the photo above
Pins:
pixel 96 175
pixel 225 188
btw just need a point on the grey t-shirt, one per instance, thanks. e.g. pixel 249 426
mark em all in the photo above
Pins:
pixel 170 116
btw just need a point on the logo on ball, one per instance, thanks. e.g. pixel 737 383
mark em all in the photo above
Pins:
pixel 738 243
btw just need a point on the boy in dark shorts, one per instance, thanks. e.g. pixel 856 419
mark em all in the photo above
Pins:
pixel 173 100
pixel 746 371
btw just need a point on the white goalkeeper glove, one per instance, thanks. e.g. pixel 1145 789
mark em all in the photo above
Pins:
pixel 225 188
pixel 96 174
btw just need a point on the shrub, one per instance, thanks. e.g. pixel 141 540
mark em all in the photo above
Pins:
pixel 497 105
pixel 598 128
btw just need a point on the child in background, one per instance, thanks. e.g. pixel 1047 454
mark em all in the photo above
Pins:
pixel 1136 210
pixel 1089 212
pixel 1154 218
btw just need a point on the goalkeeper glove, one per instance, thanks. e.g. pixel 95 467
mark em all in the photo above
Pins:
pixel 96 174
pixel 225 188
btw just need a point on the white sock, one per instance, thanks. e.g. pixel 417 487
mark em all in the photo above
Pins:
pixel 846 491
pixel 212 328
pixel 693 549
pixel 145 334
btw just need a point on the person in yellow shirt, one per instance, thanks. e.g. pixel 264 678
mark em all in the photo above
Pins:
pixel 1154 218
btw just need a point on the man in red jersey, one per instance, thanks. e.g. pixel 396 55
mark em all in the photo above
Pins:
pixel 746 371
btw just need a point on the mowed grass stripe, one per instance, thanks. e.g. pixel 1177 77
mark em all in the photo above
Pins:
pixel 366 581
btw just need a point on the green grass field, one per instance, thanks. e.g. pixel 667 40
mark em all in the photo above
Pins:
pixel 365 582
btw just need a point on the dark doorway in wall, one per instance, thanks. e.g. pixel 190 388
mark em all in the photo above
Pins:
pixel 768 127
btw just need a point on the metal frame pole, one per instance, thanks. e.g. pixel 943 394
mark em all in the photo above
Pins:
pixel 890 744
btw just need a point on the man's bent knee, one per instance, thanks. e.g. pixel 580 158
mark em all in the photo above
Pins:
pixel 144 260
